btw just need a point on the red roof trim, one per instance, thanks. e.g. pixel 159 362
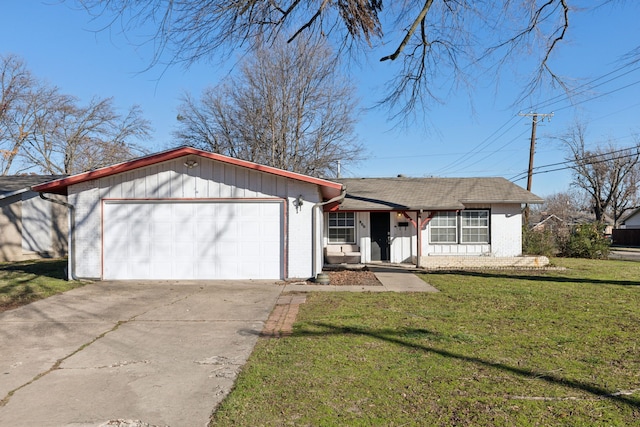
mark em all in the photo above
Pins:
pixel 60 186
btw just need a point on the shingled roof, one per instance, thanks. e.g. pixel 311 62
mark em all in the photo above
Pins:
pixel 370 194
pixel 16 184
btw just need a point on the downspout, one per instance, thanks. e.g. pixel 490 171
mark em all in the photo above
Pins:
pixel 314 243
pixel 72 226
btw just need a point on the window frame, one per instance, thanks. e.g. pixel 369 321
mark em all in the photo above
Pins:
pixel 460 226
pixel 341 216
pixel 445 227
pixel 468 214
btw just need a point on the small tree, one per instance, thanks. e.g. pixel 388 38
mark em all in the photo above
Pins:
pixel 587 241
pixel 539 242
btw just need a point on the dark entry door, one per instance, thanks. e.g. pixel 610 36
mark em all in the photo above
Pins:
pixel 380 236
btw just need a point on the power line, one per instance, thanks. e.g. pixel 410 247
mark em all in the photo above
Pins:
pixel 487 141
pixel 552 101
pixel 571 164
pixel 494 137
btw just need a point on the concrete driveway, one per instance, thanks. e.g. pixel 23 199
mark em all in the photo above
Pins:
pixel 128 353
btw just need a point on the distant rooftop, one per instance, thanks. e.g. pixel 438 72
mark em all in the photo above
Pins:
pixel 14 184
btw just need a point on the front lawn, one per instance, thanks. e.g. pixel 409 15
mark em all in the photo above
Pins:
pixel 493 348
pixel 28 281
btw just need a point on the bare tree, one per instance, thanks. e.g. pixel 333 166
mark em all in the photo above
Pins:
pixel 17 87
pixel 71 139
pixel 289 108
pixel 609 176
pixel 44 129
pixel 566 206
pixel 433 39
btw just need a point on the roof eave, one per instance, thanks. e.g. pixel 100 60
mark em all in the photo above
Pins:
pixel 508 202
pixel 328 190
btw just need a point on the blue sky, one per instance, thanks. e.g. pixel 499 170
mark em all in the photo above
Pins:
pixel 477 134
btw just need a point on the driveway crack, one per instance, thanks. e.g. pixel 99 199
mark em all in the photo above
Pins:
pixel 58 362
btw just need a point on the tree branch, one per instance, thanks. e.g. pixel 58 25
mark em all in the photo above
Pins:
pixel 410 32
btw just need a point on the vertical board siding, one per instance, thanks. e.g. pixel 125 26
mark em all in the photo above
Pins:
pixel 210 179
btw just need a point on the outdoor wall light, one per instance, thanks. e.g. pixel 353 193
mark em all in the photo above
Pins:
pixel 298 202
pixel 191 163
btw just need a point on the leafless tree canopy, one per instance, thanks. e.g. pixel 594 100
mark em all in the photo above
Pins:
pixel 45 131
pixel 567 206
pixel 288 108
pixel 16 95
pixel 434 39
pixel 609 176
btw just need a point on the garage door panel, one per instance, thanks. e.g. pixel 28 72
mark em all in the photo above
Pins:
pixel 193 240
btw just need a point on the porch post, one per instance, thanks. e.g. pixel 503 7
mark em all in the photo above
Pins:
pixel 419 231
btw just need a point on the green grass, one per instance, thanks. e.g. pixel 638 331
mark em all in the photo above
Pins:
pixel 492 348
pixel 28 281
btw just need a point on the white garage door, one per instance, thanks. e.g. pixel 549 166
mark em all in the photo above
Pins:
pixel 192 240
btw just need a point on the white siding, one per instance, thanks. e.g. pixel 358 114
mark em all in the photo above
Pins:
pixel 506 230
pixel 363 229
pixel 300 249
pixel 210 179
pixel 506 236
pixel 633 221
pixel 86 244
pixel 37 224
pixel 403 239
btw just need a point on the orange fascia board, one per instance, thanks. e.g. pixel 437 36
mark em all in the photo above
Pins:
pixel 329 189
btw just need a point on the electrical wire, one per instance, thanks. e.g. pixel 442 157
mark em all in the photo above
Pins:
pixel 572 164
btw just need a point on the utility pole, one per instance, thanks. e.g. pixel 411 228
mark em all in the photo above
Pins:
pixel 534 124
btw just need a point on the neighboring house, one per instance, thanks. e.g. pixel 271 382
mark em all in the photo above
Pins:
pixel 29 226
pixel 464 222
pixel 550 223
pixel 631 220
pixel 187 214
pixel 628 233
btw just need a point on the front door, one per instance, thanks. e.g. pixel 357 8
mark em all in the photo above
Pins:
pixel 380 236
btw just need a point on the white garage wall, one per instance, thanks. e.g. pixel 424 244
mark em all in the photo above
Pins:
pixel 300 251
pixel 210 179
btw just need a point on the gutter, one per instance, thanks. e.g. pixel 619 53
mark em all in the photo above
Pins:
pixel 72 226
pixel 314 234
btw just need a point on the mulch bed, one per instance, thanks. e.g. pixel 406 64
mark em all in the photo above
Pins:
pixel 348 277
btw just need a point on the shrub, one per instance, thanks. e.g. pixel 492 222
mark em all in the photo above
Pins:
pixel 587 241
pixel 540 242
